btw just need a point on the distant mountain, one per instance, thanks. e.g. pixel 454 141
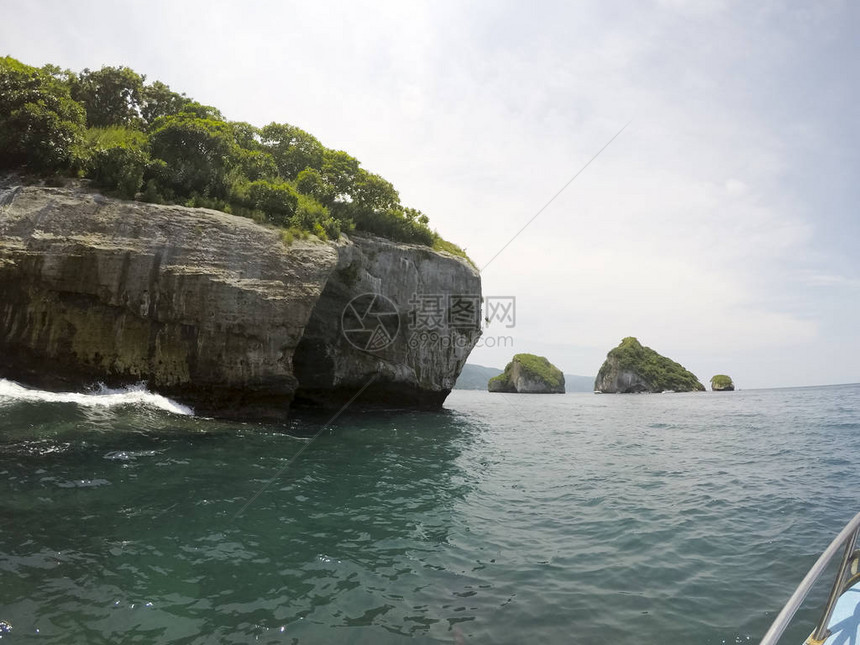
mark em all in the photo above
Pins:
pixel 475 377
pixel 574 383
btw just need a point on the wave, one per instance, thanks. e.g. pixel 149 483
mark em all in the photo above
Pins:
pixel 101 397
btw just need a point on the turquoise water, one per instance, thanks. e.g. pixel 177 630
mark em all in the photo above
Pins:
pixel 684 518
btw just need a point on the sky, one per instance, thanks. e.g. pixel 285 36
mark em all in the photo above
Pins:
pixel 720 227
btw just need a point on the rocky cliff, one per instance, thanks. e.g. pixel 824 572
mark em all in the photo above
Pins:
pixel 216 310
pixel 631 368
pixel 528 374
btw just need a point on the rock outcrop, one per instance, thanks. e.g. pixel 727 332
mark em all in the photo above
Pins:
pixel 216 310
pixel 419 364
pixel 722 383
pixel 528 374
pixel 631 368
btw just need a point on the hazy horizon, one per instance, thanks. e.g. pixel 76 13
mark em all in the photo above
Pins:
pixel 704 381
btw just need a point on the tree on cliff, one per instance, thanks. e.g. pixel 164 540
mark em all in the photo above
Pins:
pixel 158 100
pixel 40 123
pixel 198 152
pixel 293 149
pixel 115 158
pixel 126 135
pixel 110 96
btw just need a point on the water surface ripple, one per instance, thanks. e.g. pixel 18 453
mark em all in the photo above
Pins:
pixel 685 518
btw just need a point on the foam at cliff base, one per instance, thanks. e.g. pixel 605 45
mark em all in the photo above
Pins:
pixel 135 395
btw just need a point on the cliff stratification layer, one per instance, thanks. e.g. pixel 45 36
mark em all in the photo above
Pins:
pixel 212 309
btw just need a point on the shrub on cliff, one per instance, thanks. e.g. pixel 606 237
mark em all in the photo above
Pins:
pixel 277 199
pixel 313 216
pixel 115 158
pixel 392 223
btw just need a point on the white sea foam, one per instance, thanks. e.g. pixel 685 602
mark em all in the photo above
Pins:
pixel 103 397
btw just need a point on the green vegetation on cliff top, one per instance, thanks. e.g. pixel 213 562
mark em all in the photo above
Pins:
pixel 143 140
pixel 659 372
pixel 721 381
pixel 537 367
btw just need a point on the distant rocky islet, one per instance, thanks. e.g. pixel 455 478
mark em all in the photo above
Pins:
pixel 528 374
pixel 634 368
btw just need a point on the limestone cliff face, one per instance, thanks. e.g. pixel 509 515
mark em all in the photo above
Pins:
pixel 416 366
pixel 209 308
pixel 615 379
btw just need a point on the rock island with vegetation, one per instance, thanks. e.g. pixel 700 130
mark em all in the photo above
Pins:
pixel 632 367
pixel 528 374
pixel 114 266
pixel 722 383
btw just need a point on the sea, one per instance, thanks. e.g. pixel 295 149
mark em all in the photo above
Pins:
pixel 503 518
